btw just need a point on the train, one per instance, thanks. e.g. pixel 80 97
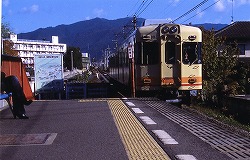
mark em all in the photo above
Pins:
pixel 161 58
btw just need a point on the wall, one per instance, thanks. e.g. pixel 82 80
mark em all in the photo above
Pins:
pixel 13 66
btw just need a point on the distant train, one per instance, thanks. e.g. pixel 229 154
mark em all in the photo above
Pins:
pixel 159 57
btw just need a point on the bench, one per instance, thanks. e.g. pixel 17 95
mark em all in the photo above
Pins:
pixel 7 96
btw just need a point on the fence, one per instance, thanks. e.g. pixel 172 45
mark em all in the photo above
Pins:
pixel 86 90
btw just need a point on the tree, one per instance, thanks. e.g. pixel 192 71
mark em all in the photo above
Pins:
pixel 219 64
pixel 8 46
pixel 6 31
pixel 77 58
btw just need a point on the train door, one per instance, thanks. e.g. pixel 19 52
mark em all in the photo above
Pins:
pixel 191 70
pixel 171 58
pixel 147 68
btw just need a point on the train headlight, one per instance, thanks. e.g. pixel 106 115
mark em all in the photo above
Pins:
pixel 165 30
pixel 192 37
pixel 192 80
pixel 173 29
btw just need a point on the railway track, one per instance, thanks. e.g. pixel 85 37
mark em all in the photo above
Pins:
pixel 234 144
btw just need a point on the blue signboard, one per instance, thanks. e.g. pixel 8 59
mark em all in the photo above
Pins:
pixel 48 72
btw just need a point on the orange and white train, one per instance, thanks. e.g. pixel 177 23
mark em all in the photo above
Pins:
pixel 159 57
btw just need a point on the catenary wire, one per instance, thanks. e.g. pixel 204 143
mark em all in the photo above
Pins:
pixel 133 8
pixel 201 11
pixel 190 11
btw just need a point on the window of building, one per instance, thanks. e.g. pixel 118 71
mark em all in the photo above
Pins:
pixel 242 49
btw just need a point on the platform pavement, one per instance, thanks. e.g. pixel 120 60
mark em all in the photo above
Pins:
pixel 73 129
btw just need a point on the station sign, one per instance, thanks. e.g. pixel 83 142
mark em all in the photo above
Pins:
pixel 48 72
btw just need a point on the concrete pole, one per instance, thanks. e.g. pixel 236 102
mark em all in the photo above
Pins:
pixel 72 61
pixel 1 28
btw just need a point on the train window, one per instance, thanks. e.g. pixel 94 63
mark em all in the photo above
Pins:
pixel 170 52
pixel 191 53
pixel 148 53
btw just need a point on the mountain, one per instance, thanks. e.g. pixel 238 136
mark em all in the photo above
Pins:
pixel 92 36
pixel 210 26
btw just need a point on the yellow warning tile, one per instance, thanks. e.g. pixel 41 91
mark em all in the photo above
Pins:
pixel 137 141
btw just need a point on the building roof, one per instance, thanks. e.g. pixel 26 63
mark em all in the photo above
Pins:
pixel 237 30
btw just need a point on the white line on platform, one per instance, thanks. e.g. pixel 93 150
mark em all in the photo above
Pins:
pixel 137 110
pixel 185 157
pixel 164 137
pixel 147 120
pixel 130 104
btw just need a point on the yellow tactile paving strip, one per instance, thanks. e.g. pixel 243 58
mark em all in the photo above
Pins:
pixel 138 142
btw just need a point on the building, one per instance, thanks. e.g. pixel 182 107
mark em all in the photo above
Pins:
pixel 28 48
pixel 85 61
pixel 239 32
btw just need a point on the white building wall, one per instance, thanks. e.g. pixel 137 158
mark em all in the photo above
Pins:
pixel 247 49
pixel 28 48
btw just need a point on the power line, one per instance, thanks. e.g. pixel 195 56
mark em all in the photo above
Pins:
pixel 133 8
pixel 140 7
pixel 170 5
pixel 201 11
pixel 191 10
pixel 144 8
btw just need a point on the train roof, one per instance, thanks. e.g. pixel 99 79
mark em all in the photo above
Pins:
pixel 154 22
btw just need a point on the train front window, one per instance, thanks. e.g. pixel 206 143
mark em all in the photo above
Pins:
pixel 170 52
pixel 191 53
pixel 148 53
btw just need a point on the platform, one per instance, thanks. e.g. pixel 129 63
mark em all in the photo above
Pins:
pixel 73 129
pixel 114 128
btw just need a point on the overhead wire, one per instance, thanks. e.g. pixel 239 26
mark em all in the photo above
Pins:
pixel 133 8
pixel 141 6
pixel 201 11
pixel 191 10
pixel 127 28
pixel 144 8
pixel 171 4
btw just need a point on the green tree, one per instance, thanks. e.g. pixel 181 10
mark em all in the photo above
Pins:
pixel 219 64
pixel 8 48
pixel 6 31
pixel 77 58
pixel 7 45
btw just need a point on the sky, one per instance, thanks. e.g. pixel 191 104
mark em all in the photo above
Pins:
pixel 28 15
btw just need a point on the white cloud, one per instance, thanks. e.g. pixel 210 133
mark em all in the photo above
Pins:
pixel 6 3
pixel 32 9
pixel 199 13
pixel 87 18
pixel 174 2
pixel 220 6
pixel 99 12
pixel 242 2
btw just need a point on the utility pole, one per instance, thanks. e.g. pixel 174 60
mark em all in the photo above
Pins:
pixel 106 57
pixel 133 62
pixel 134 22
pixel 1 44
pixel 232 12
pixel 72 61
